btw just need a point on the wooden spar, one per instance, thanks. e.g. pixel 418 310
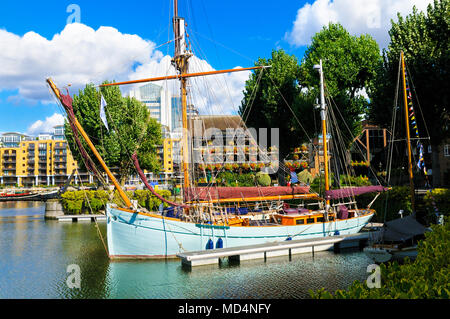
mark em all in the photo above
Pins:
pixel 94 150
pixel 259 198
pixel 181 62
pixel 323 116
pixel 408 137
pixel 183 76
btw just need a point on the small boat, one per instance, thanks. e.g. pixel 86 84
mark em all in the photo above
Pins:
pixel 396 240
pixel 13 195
pixel 16 196
pixel 28 196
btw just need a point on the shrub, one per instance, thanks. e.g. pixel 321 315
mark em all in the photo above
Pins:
pixel 398 198
pixel 425 278
pixel 263 179
pixel 441 199
pixel 305 177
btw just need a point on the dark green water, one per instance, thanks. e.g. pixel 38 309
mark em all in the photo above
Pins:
pixel 34 255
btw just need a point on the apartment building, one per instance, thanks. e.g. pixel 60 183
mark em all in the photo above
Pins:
pixel 45 160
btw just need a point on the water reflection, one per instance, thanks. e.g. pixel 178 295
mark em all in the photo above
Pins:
pixel 34 255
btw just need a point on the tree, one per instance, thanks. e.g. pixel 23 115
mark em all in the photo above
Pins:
pixel 424 39
pixel 349 65
pixel 268 96
pixel 130 129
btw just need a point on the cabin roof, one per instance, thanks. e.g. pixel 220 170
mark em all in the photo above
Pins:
pixel 222 122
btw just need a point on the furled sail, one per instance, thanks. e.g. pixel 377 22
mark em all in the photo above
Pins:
pixel 144 180
pixel 243 193
pixel 353 191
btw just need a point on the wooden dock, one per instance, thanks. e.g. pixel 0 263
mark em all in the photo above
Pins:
pixel 80 218
pixel 275 249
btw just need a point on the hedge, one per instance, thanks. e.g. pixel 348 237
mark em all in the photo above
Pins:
pixel 87 202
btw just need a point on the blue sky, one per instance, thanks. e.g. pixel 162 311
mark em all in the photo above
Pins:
pixel 225 34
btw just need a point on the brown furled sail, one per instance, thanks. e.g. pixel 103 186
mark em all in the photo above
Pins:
pixel 243 193
pixel 145 181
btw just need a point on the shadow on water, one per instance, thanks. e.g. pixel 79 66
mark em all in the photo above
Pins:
pixel 279 277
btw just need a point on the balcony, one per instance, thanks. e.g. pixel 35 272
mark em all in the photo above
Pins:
pixel 60 160
pixel 61 147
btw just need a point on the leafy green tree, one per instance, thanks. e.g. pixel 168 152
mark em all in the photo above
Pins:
pixel 424 39
pixel 349 65
pixel 268 95
pixel 130 129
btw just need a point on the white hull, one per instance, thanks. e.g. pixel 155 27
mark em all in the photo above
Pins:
pixel 132 235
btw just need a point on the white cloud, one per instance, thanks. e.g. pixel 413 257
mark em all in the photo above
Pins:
pixel 358 17
pixel 212 94
pixel 79 55
pixel 45 126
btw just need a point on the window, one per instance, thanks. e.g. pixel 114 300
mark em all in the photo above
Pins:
pixel 320 219
pixel 447 150
pixel 300 221
pixel 310 221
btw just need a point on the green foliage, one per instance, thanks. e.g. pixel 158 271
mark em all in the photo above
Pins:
pixel 349 65
pixel 271 95
pixel 424 39
pixel 246 180
pixel 398 198
pixel 425 278
pixel 305 177
pixel 229 179
pixel 354 181
pixel 85 202
pixel 82 202
pixel 263 179
pixel 267 97
pixel 441 198
pixel 130 128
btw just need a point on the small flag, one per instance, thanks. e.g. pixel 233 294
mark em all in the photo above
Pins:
pixel 294 178
pixel 102 112
pixel 421 163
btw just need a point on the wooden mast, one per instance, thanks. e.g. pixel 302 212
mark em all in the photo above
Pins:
pixel 94 150
pixel 408 137
pixel 180 61
pixel 323 116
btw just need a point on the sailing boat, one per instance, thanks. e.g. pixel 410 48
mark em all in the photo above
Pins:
pixel 398 238
pixel 219 217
